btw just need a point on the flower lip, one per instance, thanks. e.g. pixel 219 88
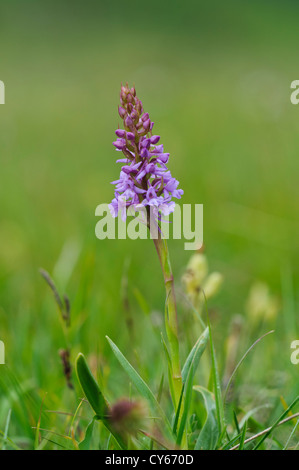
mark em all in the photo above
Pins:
pixel 130 136
pixel 120 144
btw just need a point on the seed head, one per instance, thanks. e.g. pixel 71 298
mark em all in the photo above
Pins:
pixel 127 417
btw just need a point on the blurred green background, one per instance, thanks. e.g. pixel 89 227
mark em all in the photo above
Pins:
pixel 215 77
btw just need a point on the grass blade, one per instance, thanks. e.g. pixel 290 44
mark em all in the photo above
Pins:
pixel 195 354
pixel 187 402
pixel 217 386
pixel 241 361
pixel 95 397
pixel 139 383
pixel 90 387
pixel 5 436
pixel 262 433
pixel 281 417
pixel 209 435
pixel 178 411
pixel 291 435
pixel 188 373
pixel 242 440
pixel 85 444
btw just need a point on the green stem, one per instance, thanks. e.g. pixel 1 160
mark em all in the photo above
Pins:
pixel 171 321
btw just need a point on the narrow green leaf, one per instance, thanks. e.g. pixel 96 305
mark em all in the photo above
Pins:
pixel 85 444
pixel 243 436
pixel 160 391
pixel 291 435
pixel 250 413
pixel 187 403
pixel 178 411
pixel 188 373
pixel 95 397
pixel 236 422
pixel 139 383
pixel 209 434
pixel 6 429
pixel 195 354
pixel 240 363
pixel 281 417
pixel 217 386
pixel 231 442
pixel 90 387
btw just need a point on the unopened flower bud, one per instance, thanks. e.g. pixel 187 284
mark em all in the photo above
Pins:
pixel 134 116
pixel 128 122
pixel 129 98
pixel 130 136
pixel 138 105
pixel 122 112
pixel 145 117
pixel 130 108
pixel 155 139
pixel 146 125
pixel 123 97
pixel 120 133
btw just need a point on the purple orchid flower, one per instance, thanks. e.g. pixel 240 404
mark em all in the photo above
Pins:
pixel 144 178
